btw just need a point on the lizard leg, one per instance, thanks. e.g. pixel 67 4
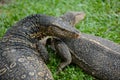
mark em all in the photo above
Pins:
pixel 43 52
pixel 63 52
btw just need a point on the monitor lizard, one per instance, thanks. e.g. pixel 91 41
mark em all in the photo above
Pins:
pixel 22 55
pixel 97 56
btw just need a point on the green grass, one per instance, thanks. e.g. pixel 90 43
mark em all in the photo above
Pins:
pixel 102 19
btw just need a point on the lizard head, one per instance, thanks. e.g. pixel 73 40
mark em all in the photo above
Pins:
pixel 62 29
pixel 70 19
pixel 64 25
pixel 73 17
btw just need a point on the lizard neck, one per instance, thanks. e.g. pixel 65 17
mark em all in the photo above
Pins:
pixel 32 27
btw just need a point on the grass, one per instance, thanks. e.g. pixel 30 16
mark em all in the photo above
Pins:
pixel 102 19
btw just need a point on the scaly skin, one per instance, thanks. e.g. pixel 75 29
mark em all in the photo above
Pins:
pixel 21 53
pixel 96 56
pixel 92 55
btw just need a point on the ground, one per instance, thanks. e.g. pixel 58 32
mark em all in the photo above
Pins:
pixel 102 19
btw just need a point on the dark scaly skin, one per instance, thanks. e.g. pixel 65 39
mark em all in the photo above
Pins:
pixel 97 59
pixel 21 53
pixel 96 56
